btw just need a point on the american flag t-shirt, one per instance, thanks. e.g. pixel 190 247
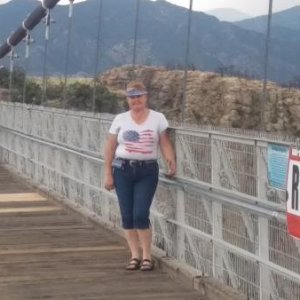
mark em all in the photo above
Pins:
pixel 139 142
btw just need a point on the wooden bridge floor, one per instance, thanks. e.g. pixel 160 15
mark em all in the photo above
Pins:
pixel 50 252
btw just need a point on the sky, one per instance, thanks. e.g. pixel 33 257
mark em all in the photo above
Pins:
pixel 250 7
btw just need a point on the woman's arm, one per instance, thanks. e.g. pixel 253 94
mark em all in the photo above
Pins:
pixel 168 152
pixel 109 153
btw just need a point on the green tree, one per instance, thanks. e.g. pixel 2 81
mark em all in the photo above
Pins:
pixel 79 96
pixel 106 101
pixel 4 77
pixel 33 92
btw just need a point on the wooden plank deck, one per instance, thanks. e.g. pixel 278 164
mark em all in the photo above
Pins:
pixel 50 252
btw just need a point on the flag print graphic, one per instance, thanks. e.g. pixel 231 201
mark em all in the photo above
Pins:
pixel 139 142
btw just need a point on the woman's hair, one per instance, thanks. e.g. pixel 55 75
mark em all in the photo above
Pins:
pixel 136 85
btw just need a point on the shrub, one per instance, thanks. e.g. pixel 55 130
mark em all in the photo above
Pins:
pixel 4 77
pixel 55 90
pixel 33 92
pixel 80 96
pixel 106 101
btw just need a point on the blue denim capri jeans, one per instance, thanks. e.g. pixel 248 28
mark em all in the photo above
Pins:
pixel 135 183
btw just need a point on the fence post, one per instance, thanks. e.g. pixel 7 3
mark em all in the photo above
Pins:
pixel 180 233
pixel 265 286
pixel 217 213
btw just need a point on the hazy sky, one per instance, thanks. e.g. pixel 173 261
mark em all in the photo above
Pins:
pixel 251 7
pixel 63 2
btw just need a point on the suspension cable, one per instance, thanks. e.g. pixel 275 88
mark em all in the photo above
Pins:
pixel 137 11
pixel 187 51
pixel 12 55
pixel 47 29
pixel 28 41
pixel 266 65
pixel 98 49
pixel 70 17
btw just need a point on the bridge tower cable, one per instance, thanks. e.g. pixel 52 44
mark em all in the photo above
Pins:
pixel 98 50
pixel 266 65
pixel 70 23
pixel 186 62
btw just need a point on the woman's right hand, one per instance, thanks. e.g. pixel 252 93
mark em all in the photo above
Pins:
pixel 109 182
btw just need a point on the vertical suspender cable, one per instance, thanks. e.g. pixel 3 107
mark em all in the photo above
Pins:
pixel 12 57
pixel 266 65
pixel 68 51
pixel 47 23
pixel 186 62
pixel 28 41
pixel 136 25
pixel 99 29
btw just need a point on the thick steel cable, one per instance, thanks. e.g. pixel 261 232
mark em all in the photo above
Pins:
pixel 70 23
pixel 136 25
pixel 266 65
pixel 186 61
pixel 97 53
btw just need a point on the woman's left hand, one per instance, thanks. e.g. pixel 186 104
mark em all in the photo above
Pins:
pixel 109 182
pixel 171 168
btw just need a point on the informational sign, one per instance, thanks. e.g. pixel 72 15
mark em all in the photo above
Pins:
pixel 278 158
pixel 293 193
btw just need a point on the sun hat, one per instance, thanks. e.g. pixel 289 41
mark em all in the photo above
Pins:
pixel 136 88
pixel 135 92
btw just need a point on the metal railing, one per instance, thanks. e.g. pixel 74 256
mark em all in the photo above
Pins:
pixel 219 216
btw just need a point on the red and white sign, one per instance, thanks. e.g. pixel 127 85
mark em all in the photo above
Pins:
pixel 293 194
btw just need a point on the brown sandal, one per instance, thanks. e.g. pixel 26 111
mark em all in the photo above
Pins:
pixel 133 264
pixel 147 265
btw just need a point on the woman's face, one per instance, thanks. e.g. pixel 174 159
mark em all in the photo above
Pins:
pixel 137 103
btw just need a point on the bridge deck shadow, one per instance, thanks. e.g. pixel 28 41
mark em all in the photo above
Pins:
pixel 49 252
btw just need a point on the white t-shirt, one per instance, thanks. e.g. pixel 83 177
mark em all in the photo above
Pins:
pixel 138 141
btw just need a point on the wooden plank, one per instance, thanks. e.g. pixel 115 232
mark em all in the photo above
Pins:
pixel 39 228
pixel 29 209
pixel 21 197
pixel 64 250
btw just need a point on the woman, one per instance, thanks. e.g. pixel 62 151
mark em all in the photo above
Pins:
pixel 130 165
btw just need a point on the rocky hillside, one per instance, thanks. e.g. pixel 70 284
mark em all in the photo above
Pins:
pixel 212 99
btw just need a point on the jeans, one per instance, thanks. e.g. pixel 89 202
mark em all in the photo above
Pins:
pixel 135 183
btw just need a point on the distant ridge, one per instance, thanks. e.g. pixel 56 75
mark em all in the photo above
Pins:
pixel 289 19
pixel 228 14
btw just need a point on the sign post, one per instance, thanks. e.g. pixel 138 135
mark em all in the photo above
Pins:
pixel 293 193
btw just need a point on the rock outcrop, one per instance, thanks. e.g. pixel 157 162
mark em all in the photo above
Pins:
pixel 211 99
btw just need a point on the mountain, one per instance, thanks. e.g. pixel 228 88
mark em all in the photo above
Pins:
pixel 161 40
pixel 285 30
pixel 288 19
pixel 228 14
